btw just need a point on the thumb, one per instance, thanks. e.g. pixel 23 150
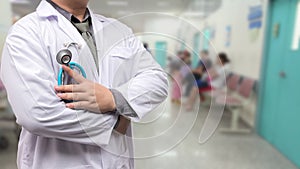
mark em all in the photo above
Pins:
pixel 76 76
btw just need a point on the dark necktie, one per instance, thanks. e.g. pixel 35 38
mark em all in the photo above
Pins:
pixel 84 28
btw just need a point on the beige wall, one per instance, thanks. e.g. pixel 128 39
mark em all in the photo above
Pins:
pixel 5 21
pixel 170 28
pixel 162 27
pixel 245 53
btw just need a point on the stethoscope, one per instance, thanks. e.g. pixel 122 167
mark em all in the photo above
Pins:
pixel 64 57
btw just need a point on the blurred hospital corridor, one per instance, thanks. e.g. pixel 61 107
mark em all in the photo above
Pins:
pixel 232 69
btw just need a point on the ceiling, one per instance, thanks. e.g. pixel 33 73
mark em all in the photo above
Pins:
pixel 118 8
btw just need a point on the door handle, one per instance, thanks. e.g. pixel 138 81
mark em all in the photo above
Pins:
pixel 282 74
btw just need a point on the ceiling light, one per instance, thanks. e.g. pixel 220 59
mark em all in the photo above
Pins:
pixel 162 4
pixel 124 12
pixel 202 3
pixel 117 3
pixel 19 1
pixel 194 14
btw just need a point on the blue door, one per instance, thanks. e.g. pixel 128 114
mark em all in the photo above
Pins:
pixel 196 49
pixel 206 39
pixel 161 53
pixel 279 110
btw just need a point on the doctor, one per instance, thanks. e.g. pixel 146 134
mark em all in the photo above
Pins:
pixel 123 83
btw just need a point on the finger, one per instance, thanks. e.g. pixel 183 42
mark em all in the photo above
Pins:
pixel 81 105
pixel 76 76
pixel 73 96
pixel 67 88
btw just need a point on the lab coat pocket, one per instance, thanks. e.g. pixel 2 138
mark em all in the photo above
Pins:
pixel 116 153
pixel 121 52
pixel 120 65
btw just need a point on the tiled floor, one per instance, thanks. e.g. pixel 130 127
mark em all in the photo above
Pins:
pixel 165 141
pixel 222 151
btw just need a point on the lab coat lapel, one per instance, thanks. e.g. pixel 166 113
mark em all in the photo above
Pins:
pixel 85 57
pixel 46 10
pixel 98 36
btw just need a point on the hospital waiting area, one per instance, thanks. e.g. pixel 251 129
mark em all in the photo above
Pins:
pixel 233 83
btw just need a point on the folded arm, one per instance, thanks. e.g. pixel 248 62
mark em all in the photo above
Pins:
pixel 28 75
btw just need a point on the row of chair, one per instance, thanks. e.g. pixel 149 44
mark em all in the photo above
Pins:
pixel 236 97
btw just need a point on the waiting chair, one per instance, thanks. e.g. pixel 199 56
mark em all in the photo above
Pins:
pixel 232 84
pixel 235 103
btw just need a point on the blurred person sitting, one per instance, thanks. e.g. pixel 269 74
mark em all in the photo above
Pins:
pixel 186 71
pixel 204 64
pixel 185 56
pixel 176 64
pixel 214 79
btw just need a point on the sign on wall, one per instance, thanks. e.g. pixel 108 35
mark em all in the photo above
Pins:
pixel 255 21
pixel 228 30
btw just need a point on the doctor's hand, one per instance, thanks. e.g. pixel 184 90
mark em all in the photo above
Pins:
pixel 86 94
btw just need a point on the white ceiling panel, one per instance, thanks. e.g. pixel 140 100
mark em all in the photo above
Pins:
pixel 118 8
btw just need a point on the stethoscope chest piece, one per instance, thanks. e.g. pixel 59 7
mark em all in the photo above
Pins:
pixel 64 57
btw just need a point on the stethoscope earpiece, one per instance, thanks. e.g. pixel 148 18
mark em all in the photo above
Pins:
pixel 64 57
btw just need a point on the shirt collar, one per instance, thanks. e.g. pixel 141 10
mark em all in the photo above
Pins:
pixel 68 15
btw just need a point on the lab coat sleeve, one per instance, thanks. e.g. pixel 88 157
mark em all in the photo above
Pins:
pixel 122 106
pixel 148 87
pixel 28 74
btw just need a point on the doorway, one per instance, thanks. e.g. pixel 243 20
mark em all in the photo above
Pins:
pixel 161 53
pixel 196 49
pixel 279 107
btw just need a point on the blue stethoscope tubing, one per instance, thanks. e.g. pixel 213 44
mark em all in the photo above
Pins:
pixel 72 65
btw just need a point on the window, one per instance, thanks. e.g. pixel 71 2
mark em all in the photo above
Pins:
pixel 296 37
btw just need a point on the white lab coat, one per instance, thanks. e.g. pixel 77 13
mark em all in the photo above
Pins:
pixel 53 136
